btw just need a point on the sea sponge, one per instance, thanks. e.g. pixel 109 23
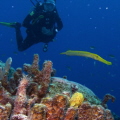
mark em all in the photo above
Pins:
pixel 76 100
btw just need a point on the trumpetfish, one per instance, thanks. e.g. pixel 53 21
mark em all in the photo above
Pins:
pixel 87 54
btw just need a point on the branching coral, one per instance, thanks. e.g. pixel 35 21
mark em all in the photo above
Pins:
pixel 106 98
pixel 4 68
pixel 39 96
pixel 21 99
pixel 5 96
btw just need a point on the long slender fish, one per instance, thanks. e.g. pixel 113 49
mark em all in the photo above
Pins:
pixel 86 54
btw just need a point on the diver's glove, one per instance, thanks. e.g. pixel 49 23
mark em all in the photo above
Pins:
pixel 46 31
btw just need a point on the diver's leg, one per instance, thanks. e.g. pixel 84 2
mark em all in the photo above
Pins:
pixel 28 42
pixel 23 44
pixel 19 37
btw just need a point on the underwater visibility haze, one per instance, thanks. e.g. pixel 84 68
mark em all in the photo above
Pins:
pixel 89 25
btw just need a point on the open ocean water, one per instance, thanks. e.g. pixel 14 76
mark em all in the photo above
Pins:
pixel 89 25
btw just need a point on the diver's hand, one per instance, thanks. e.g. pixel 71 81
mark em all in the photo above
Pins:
pixel 47 31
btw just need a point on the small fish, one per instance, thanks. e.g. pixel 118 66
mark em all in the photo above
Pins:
pixel 69 68
pixel 11 40
pixel 24 53
pixel 92 47
pixel 92 74
pixel 111 90
pixel 54 40
pixel 112 56
pixel 16 53
pixel 3 54
pixel 94 63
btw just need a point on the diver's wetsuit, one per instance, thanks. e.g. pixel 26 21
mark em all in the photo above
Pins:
pixel 34 23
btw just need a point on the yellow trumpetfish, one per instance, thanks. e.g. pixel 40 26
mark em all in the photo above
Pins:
pixel 86 54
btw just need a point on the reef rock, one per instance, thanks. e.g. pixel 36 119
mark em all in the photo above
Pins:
pixel 37 95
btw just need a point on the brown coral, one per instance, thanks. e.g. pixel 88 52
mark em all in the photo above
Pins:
pixel 92 112
pixel 21 99
pixel 56 106
pixel 5 111
pixel 38 96
pixel 37 112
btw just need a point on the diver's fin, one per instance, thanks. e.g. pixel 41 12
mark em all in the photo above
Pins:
pixel 13 24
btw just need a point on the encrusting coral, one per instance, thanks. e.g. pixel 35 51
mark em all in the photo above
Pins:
pixel 37 95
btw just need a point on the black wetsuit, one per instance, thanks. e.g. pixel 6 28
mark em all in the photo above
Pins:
pixel 34 23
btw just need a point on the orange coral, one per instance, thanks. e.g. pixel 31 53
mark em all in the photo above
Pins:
pixel 71 113
pixel 42 97
pixel 5 111
pixel 93 112
pixel 56 106
pixel 38 112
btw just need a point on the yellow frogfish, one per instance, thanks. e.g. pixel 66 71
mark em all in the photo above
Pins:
pixel 76 100
pixel 86 54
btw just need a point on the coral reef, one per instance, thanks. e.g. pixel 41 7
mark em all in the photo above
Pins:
pixel 4 68
pixel 37 95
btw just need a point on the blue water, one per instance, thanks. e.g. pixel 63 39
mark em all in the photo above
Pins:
pixel 89 25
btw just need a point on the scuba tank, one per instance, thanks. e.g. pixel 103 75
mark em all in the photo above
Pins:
pixel 46 0
pixel 38 3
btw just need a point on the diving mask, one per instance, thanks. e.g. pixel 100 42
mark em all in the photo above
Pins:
pixel 49 6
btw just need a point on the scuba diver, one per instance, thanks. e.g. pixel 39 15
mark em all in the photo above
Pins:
pixel 42 24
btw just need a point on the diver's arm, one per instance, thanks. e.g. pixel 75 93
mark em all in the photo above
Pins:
pixel 28 19
pixel 59 22
pixel 31 16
